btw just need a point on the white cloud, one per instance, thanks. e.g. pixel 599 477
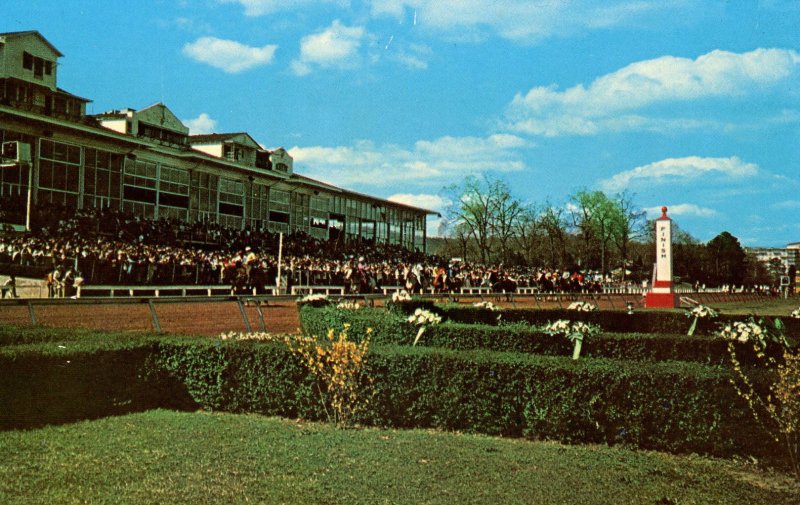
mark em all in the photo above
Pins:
pixel 229 55
pixel 262 7
pixel 201 124
pixel 423 200
pixel 677 170
pixel 428 162
pixel 587 110
pixel 334 47
pixel 414 57
pixel 683 209
pixel 525 21
pixel 787 205
pixel 435 225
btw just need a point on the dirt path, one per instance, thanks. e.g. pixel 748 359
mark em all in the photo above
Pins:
pixel 197 318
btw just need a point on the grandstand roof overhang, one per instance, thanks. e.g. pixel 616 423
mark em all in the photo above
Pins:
pixel 100 132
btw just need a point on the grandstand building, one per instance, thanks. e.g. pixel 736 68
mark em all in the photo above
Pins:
pixel 145 162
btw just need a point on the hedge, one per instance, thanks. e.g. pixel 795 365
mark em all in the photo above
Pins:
pixel 390 328
pixel 670 406
pixel 36 390
pixel 659 322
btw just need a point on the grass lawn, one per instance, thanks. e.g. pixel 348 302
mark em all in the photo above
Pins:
pixel 169 457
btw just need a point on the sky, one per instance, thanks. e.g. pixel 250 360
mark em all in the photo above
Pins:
pixel 690 104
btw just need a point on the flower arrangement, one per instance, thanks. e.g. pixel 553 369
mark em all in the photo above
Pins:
pixel 575 332
pixel 253 335
pixel 348 305
pixel 315 300
pixel 744 332
pixel 401 296
pixel 486 305
pixel 582 306
pixel 423 318
pixel 699 312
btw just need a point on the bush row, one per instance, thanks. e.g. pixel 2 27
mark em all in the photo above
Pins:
pixel 389 328
pixel 672 406
pixel 641 321
pixel 39 389
pixel 678 407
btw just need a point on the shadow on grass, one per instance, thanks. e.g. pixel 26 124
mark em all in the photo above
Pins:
pixel 41 391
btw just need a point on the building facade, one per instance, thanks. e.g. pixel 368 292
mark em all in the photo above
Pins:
pixel 145 162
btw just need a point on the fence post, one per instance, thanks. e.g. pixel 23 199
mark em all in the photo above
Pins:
pixel 156 323
pixel 244 315
pixel 261 316
pixel 32 314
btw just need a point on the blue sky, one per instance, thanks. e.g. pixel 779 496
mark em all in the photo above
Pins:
pixel 690 104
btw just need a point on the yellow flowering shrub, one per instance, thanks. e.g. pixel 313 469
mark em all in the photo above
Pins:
pixel 777 409
pixel 338 364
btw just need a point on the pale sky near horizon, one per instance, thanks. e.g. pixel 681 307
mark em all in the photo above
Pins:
pixel 690 104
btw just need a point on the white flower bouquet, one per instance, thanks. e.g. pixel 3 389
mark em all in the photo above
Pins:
pixel 486 305
pixel 582 306
pixel 315 300
pixel 401 296
pixel 348 305
pixel 576 332
pixel 744 332
pixel 423 318
pixel 699 312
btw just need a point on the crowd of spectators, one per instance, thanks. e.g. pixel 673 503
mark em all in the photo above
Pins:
pixel 105 246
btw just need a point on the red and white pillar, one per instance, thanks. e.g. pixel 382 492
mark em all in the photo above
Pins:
pixel 663 296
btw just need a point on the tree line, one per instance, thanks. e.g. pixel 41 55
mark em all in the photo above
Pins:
pixel 486 223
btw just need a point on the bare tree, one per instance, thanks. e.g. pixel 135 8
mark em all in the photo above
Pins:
pixel 554 225
pixel 485 211
pixel 628 223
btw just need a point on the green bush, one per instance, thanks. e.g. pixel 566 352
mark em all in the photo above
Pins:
pixel 37 389
pixel 391 329
pixel 659 322
pixel 671 406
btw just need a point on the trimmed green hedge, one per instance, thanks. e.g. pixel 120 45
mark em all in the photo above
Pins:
pixel 390 329
pixel 51 376
pixel 671 406
pixel 618 321
pixel 36 390
pixel 659 322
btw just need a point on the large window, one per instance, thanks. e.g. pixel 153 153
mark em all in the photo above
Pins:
pixel 258 205
pixel 204 197
pixel 39 66
pixel 173 193
pixel 161 134
pixel 139 188
pixel 279 210
pixel 301 212
pixel 231 207
pixel 319 217
pixel 59 170
pixel 101 178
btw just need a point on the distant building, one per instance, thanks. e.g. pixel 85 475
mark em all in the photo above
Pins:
pixel 788 256
pixel 145 162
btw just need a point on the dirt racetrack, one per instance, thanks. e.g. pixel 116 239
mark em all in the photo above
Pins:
pixel 196 318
